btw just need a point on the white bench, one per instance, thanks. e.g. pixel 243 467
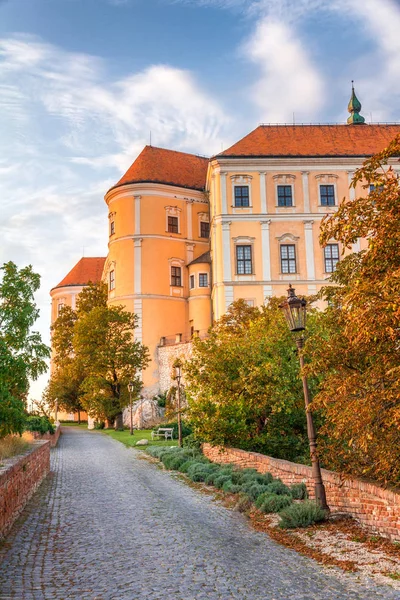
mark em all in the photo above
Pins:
pixel 163 432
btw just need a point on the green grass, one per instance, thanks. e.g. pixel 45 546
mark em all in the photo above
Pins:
pixel 130 440
pixel 124 436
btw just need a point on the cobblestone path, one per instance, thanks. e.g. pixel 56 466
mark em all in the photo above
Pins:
pixel 107 524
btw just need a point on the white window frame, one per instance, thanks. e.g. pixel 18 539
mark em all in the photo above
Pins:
pixel 334 192
pixel 324 257
pixel 238 181
pixel 111 281
pixel 291 185
pixel 208 280
pixel 173 211
pixel 60 305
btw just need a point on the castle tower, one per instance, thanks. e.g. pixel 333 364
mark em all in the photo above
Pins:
pixel 158 225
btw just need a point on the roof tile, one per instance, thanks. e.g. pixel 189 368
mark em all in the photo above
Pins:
pixel 313 140
pixel 158 165
pixel 87 270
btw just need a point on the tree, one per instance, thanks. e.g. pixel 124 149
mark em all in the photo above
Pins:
pixel 243 383
pixel 65 387
pixel 104 344
pixel 357 350
pixel 22 352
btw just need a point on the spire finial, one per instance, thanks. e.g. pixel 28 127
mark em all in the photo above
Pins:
pixel 354 108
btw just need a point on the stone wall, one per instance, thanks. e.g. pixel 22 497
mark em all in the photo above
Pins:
pixel 166 357
pixel 376 508
pixel 19 478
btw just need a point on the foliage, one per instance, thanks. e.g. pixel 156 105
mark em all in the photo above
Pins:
pixel 298 491
pixel 186 429
pixel 96 355
pixel 22 352
pixel 355 346
pixel 191 441
pixel 301 515
pixel 243 383
pixel 39 423
pixel 273 503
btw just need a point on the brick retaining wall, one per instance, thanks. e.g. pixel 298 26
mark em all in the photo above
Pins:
pixel 19 478
pixel 52 437
pixel 372 506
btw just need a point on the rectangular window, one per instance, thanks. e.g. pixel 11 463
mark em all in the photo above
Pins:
pixel 173 225
pixel 204 229
pixel 59 308
pixel 285 196
pixel 331 255
pixel 203 280
pixel 327 195
pixel 112 280
pixel 244 263
pixel 288 258
pixel 191 282
pixel 112 227
pixel 176 276
pixel 242 197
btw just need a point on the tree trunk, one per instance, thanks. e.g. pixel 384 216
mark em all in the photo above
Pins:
pixel 79 417
pixel 119 423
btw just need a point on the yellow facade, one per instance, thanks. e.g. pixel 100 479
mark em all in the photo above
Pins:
pixel 188 236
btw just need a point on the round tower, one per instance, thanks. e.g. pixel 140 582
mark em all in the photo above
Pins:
pixel 158 224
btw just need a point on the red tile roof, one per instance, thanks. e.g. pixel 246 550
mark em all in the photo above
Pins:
pixel 158 165
pixel 87 270
pixel 313 140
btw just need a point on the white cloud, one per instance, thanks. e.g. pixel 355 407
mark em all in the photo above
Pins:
pixel 289 82
pixel 69 130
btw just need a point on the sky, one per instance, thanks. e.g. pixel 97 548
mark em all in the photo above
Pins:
pixel 84 82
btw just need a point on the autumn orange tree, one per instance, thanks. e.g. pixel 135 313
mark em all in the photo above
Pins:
pixel 357 347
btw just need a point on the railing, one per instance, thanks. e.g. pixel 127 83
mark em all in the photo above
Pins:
pixel 183 338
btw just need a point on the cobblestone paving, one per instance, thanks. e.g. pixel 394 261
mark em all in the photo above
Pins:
pixel 109 525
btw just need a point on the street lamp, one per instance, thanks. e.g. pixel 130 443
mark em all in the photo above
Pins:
pixel 131 388
pixel 178 376
pixel 295 311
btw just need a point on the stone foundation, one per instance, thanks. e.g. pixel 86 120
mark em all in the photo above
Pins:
pixel 19 478
pixel 376 508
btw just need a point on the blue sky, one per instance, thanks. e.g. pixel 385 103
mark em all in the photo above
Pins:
pixel 83 82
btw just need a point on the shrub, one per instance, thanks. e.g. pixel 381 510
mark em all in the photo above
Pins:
pixel 184 467
pixel 190 441
pixel 279 488
pixel 301 515
pixel 99 425
pixel 39 424
pixel 254 490
pixel 298 491
pixel 199 471
pixel 272 503
pixel 243 504
pixel 220 480
pixel 231 488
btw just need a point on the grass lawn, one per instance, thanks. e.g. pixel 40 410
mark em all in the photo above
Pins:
pixel 124 436
pixel 143 434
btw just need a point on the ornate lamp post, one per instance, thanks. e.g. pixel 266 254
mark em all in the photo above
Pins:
pixel 131 388
pixel 295 311
pixel 178 376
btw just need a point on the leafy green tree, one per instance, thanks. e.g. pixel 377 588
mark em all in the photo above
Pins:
pixel 22 352
pixel 104 344
pixel 243 384
pixel 96 355
pixel 356 352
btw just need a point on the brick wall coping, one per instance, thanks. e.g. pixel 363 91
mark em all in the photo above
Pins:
pixel 329 477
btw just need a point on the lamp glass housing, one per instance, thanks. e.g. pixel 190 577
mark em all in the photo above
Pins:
pixel 295 311
pixel 131 387
pixel 177 372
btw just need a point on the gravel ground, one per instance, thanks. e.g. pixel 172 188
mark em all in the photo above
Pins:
pixel 109 525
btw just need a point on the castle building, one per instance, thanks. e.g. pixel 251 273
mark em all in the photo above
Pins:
pixel 189 235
